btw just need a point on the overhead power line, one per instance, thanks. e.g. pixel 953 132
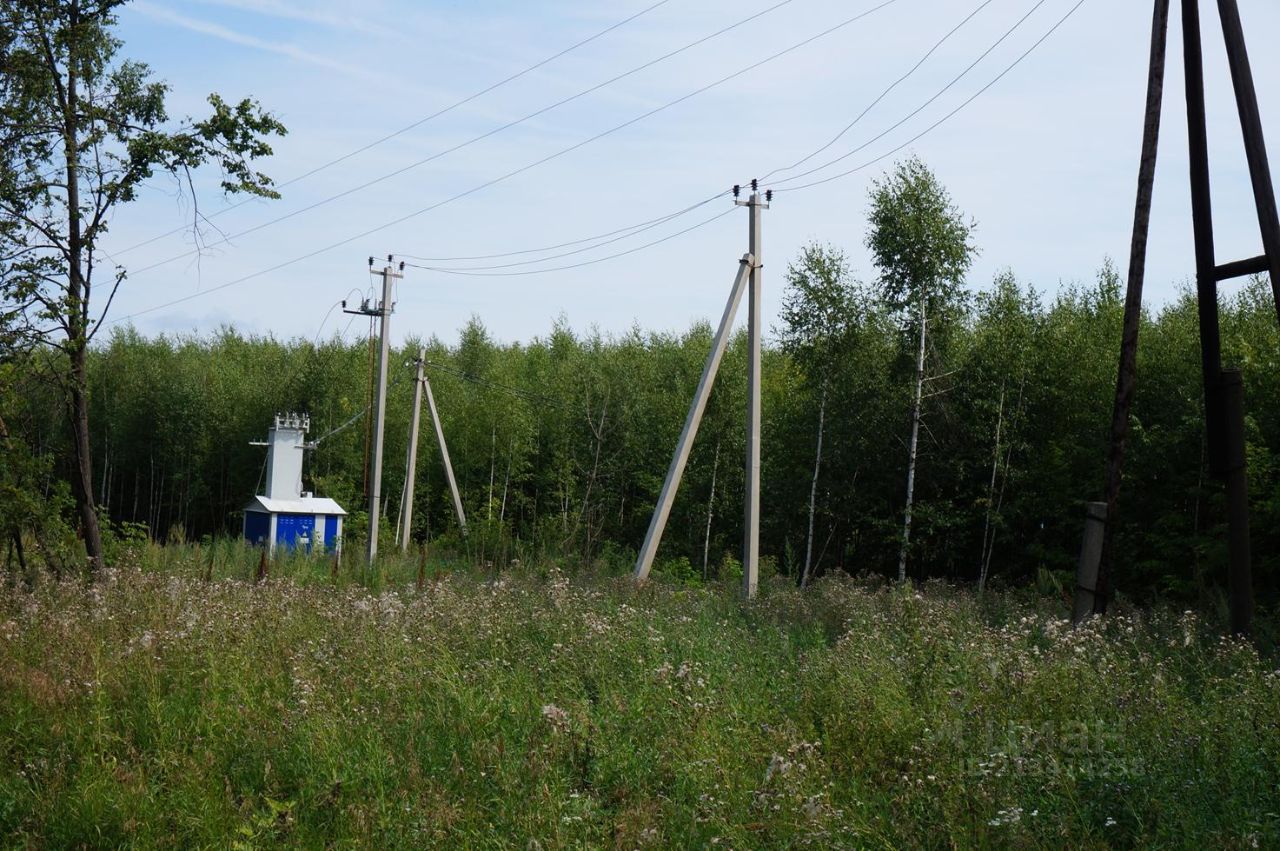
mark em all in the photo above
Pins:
pixel 916 67
pixel 946 117
pixel 227 239
pixel 477 271
pixel 593 247
pixel 631 230
pixel 518 171
pixel 921 108
pixel 667 238
pixel 421 121
pixel 824 180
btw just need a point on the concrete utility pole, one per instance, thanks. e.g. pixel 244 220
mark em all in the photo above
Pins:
pixel 751 507
pixel 1087 568
pixel 747 280
pixel 411 468
pixel 382 310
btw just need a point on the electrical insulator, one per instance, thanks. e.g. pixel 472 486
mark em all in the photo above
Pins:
pixel 736 190
pixel 370 262
pixel 754 184
pixel 401 265
pixel 768 195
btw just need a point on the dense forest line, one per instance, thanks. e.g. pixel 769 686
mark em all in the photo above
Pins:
pixel 561 444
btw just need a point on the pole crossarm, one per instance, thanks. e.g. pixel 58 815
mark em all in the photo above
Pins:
pixel 1253 266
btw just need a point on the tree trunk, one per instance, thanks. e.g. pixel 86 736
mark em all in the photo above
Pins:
pixel 22 555
pixel 111 485
pixel 915 441
pixel 1014 419
pixel 711 503
pixel 597 432
pixel 991 495
pixel 106 465
pixel 160 530
pixel 506 482
pixel 151 499
pixel 813 490
pixel 493 450
pixel 78 320
pixel 83 483
pixel 16 538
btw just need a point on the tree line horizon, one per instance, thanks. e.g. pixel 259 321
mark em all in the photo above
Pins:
pixel 560 444
pixel 911 426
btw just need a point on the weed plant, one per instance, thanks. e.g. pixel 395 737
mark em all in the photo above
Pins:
pixel 175 701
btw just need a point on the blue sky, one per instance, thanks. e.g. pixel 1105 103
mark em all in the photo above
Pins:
pixel 1045 161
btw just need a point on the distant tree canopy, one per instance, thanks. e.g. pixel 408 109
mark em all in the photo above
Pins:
pixel 560 444
pixel 530 425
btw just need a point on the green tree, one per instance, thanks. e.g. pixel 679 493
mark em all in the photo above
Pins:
pixel 922 246
pixel 999 362
pixel 29 502
pixel 81 129
pixel 819 311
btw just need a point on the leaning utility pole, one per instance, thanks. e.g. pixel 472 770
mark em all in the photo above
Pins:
pixel 748 279
pixel 444 455
pixel 411 466
pixel 1223 388
pixel 382 310
pixel 421 383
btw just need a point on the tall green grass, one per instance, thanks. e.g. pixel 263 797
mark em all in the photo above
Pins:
pixel 170 705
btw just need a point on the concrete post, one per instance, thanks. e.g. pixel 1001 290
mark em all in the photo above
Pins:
pixel 751 507
pixel 1090 556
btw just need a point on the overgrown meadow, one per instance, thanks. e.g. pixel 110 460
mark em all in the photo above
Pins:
pixel 177 702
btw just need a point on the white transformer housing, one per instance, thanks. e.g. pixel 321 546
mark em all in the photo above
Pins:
pixel 285 444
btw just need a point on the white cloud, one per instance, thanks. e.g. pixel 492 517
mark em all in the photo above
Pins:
pixel 317 14
pixel 224 33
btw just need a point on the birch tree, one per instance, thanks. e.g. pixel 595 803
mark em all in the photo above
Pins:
pixel 818 313
pixel 80 130
pixel 922 246
pixel 1003 339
